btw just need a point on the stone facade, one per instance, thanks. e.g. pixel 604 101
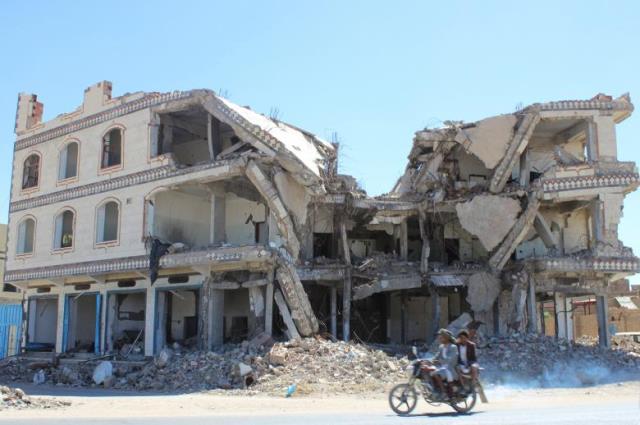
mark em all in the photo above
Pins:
pixel 166 217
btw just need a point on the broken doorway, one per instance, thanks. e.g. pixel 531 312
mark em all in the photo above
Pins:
pixel 42 323
pixel 177 317
pixel 82 323
pixel 126 322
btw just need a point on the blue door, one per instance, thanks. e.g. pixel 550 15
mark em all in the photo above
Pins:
pixel 10 329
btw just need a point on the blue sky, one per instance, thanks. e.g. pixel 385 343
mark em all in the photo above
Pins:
pixel 374 72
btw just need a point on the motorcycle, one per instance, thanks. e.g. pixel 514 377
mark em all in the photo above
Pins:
pixel 403 398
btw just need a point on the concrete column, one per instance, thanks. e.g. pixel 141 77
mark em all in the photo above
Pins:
pixel 334 311
pixel 216 318
pixel 564 316
pixel 404 240
pixel 218 221
pixel 268 314
pixel 496 316
pixel 435 314
pixel 403 317
pixel 532 312
pixel 596 220
pixel 60 323
pixel 149 320
pixel 592 141
pixel 602 311
pixel 346 306
pixel 103 319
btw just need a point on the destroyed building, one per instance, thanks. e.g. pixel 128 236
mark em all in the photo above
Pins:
pixel 155 218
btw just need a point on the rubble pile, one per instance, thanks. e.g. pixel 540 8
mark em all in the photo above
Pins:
pixel 315 365
pixel 311 365
pixel 15 398
pixel 546 361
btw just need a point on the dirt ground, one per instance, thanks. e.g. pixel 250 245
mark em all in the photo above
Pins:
pixel 88 403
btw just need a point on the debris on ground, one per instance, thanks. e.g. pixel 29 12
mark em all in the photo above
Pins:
pixel 15 398
pixel 547 361
pixel 316 365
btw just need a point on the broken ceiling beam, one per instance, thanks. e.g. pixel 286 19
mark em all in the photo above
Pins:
pixel 391 283
pixel 272 197
pixel 517 234
pixel 255 283
pixel 224 285
pixel 515 149
pixel 544 231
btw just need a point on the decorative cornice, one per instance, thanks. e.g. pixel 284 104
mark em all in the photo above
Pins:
pixel 146 176
pixel 587 182
pixel 148 100
pixel 612 105
pixel 254 253
pixel 603 264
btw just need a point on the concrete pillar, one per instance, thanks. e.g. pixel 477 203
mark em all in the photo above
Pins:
pixel 346 306
pixel 149 320
pixel 602 311
pixel 435 314
pixel 334 312
pixel 218 221
pixel 403 317
pixel 532 312
pixel 268 314
pixel 564 316
pixel 103 319
pixel 60 324
pixel 596 220
pixel 404 240
pixel 592 141
pixel 496 316
pixel 216 318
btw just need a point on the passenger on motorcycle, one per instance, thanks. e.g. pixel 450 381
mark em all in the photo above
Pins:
pixel 467 360
pixel 446 360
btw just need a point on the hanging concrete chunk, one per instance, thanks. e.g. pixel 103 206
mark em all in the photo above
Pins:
pixel 482 291
pixel 489 217
pixel 488 139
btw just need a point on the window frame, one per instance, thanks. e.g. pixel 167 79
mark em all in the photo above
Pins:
pixel 36 187
pixel 33 242
pixel 103 204
pixel 61 249
pixel 75 178
pixel 111 168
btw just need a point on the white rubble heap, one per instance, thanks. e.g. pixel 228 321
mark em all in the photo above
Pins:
pixel 319 366
pixel 15 398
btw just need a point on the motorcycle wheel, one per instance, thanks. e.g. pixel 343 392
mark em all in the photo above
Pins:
pixel 403 399
pixel 464 404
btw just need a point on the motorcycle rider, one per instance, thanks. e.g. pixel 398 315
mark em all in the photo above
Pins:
pixel 467 359
pixel 446 360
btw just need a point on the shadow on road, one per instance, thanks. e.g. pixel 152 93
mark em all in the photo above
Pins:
pixel 437 415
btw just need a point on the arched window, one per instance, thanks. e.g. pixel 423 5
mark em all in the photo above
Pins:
pixel 112 148
pixel 26 236
pixel 31 171
pixel 107 222
pixel 63 237
pixel 68 166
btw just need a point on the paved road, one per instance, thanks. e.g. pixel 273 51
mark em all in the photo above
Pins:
pixel 609 413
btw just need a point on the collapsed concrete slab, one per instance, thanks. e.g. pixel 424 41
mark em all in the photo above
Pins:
pixel 488 217
pixel 488 139
pixel 482 290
